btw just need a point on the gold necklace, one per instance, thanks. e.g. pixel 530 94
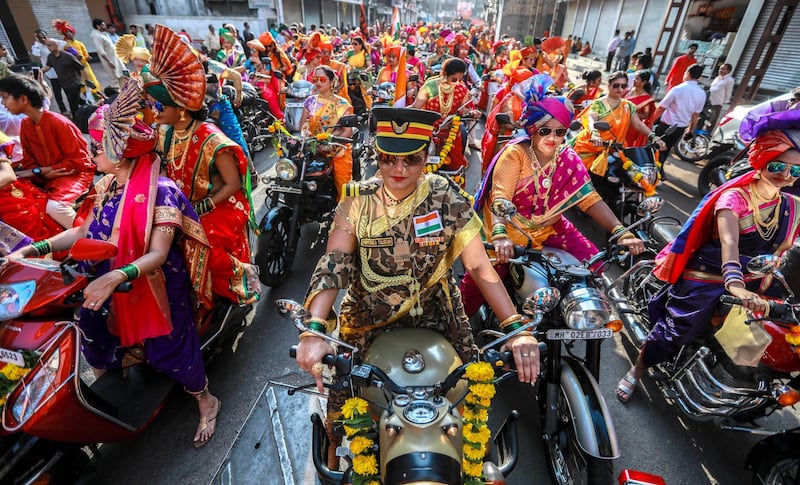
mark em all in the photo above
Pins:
pixel 767 229
pixel 180 139
pixel 392 203
pixel 538 170
pixel 446 97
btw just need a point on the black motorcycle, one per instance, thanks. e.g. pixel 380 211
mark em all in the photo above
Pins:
pixel 253 116
pixel 577 429
pixel 723 156
pixel 302 191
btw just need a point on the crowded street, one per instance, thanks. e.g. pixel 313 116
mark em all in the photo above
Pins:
pixel 421 241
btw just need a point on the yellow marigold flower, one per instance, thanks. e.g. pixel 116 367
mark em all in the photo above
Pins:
pixel 473 469
pixel 322 136
pixel 479 372
pixel 373 482
pixel 2 400
pixel 484 391
pixel 13 372
pixel 474 453
pixel 350 432
pixel 793 338
pixel 478 401
pixel 481 415
pixel 477 435
pixel 271 129
pixel 361 444
pixel 354 407
pixel 627 165
pixel 365 465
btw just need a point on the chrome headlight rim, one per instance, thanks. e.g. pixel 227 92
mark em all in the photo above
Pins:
pixel 286 170
pixel 37 388
pixel 585 309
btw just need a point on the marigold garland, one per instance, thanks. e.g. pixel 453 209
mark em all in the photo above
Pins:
pixel 360 430
pixel 793 338
pixel 480 378
pixel 448 145
pixel 11 374
pixel 278 127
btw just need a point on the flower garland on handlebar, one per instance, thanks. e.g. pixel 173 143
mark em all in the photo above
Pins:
pixel 359 427
pixel 11 374
pixel 635 172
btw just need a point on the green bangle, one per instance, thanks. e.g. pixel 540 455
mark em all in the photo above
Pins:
pixel 617 229
pixel 42 247
pixel 317 324
pixel 131 271
pixel 513 326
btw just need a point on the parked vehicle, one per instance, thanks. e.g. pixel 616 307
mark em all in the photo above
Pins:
pixel 58 405
pixel 412 379
pixel 722 157
pixel 577 429
pixel 302 191
pixel 706 382
pixel 296 95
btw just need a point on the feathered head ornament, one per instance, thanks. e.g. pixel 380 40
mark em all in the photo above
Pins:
pixel 62 26
pixel 175 76
pixel 539 107
pixel 121 132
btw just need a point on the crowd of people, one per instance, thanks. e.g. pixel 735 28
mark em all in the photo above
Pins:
pixel 175 196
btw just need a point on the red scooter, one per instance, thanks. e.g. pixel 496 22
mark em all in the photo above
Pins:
pixel 58 405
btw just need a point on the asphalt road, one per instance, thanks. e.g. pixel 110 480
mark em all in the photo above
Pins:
pixel 652 436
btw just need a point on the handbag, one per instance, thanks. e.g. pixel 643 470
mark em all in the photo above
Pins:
pixel 744 344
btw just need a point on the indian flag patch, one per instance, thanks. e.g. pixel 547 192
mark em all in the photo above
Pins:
pixel 428 224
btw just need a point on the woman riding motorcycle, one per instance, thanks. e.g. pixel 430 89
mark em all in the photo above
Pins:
pixel 543 178
pixel 392 245
pixel 162 248
pixel 746 217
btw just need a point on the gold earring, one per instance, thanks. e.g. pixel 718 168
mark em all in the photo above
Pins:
pixel 183 116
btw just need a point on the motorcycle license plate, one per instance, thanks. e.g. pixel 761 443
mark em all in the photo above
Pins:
pixel 567 334
pixel 286 189
pixel 12 357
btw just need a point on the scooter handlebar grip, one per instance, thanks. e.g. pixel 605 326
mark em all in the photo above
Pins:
pixel 293 351
pixel 341 139
pixel 124 287
pixel 730 300
pixel 329 359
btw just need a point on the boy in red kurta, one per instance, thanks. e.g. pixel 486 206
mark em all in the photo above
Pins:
pixel 54 153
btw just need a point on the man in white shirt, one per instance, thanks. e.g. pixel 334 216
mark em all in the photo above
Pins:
pixel 106 52
pixel 212 42
pixel 679 110
pixel 40 52
pixel 720 92
pixel 612 49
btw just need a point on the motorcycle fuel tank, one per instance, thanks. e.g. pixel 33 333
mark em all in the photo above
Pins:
pixel 527 278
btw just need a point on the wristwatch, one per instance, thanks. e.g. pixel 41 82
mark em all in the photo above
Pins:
pixel 37 171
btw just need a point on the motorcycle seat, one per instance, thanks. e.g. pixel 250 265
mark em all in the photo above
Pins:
pixel 664 232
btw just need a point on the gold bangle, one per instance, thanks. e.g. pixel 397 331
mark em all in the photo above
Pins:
pixel 308 334
pixel 626 235
pixel 499 236
pixel 508 321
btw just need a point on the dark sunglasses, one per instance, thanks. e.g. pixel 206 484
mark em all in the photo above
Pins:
pixel 545 131
pixel 95 149
pixel 154 105
pixel 779 167
pixel 407 161
pixel 619 86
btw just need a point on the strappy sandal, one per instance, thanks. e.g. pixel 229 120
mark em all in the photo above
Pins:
pixel 626 387
pixel 204 423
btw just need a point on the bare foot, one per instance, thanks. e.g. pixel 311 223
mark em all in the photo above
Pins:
pixel 209 408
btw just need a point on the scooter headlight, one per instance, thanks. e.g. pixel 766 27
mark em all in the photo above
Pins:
pixel 37 388
pixel 286 169
pixel 585 309
pixel 14 297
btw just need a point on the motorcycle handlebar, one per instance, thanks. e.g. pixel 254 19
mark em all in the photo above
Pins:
pixel 777 310
pixel 519 251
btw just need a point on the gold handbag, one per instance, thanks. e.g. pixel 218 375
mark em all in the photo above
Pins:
pixel 744 344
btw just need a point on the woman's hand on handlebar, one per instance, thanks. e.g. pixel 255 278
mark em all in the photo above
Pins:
pixel 596 139
pixel 634 245
pixel 660 144
pixel 751 301
pixel 310 352
pixel 98 291
pixel 526 357
pixel 503 249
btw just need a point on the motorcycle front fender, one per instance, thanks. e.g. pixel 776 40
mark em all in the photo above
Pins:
pixel 591 418
pixel 788 441
pixel 271 216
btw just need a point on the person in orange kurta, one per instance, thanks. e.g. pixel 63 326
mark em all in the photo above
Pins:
pixel 679 67
pixel 54 152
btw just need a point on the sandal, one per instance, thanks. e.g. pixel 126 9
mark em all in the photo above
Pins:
pixel 626 387
pixel 203 425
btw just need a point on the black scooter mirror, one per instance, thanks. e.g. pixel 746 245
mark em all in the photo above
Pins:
pixel 349 121
pixel 576 125
pixel 503 208
pixel 602 126
pixel 502 118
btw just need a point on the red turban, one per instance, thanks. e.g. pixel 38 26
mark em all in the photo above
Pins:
pixel 768 146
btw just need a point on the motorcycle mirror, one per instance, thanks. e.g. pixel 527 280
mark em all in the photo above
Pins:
pixel 502 118
pixel 577 125
pixel 764 264
pixel 650 205
pixel 541 300
pixel 349 121
pixel 92 250
pixel 294 310
pixel 602 126
pixel 503 208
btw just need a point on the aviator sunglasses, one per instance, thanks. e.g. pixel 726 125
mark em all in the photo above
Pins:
pixel 619 85
pixel 779 167
pixel 407 161
pixel 545 131
pixel 320 79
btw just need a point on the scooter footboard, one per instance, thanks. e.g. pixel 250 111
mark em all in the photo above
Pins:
pixel 591 418
pixel 506 444
pixel 319 452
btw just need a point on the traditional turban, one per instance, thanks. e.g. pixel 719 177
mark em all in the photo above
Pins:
pixel 539 106
pixel 62 26
pixel 770 145
pixel 256 45
pixel 265 38
pixel 119 130
pixel 227 35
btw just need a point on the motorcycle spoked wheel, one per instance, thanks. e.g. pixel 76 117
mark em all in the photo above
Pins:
pixel 275 254
pixel 693 150
pixel 569 464
pixel 712 174
pixel 782 468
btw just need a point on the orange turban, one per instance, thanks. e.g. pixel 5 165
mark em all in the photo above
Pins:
pixel 771 144
pixel 266 38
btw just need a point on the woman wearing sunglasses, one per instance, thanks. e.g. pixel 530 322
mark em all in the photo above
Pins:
pixel 621 115
pixel 393 242
pixel 322 111
pixel 543 178
pixel 746 217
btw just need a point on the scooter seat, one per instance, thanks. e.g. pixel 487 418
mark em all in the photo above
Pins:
pixel 664 232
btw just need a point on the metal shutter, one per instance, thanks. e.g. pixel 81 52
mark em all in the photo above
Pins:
pixel 5 40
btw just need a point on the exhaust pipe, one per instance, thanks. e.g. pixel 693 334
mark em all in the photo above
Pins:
pixel 629 316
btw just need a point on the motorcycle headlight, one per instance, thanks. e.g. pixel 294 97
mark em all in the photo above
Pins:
pixel 14 297
pixel 43 382
pixel 649 174
pixel 286 169
pixel 585 309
